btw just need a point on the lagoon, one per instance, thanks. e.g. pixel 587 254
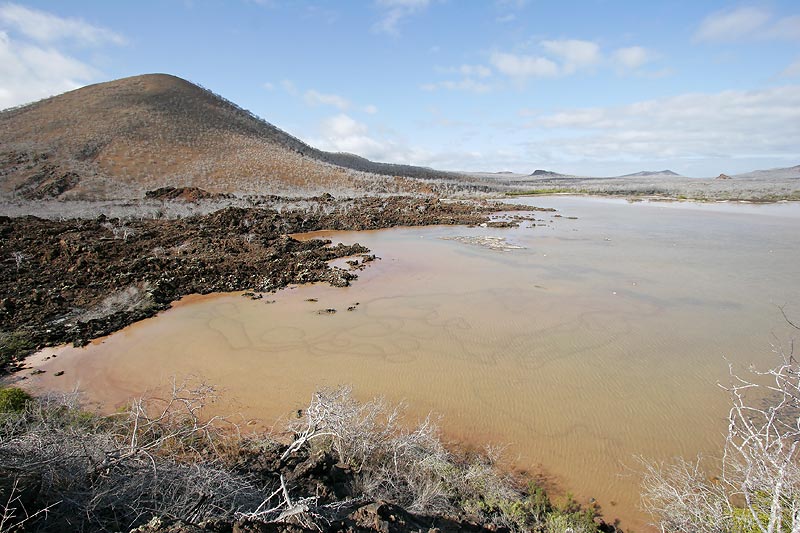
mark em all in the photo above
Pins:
pixel 578 343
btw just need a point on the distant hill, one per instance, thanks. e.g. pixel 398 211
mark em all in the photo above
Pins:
pixel 648 173
pixel 773 173
pixel 547 174
pixel 121 138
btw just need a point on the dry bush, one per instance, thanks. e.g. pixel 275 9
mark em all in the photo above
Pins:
pixel 62 468
pixel 393 463
pixel 413 468
pixel 113 473
pixel 758 489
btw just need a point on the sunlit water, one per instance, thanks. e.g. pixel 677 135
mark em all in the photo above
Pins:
pixel 590 342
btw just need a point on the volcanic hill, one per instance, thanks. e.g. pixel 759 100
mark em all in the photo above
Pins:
pixel 121 138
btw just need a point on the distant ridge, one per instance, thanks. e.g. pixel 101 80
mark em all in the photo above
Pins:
pixel 645 173
pixel 546 174
pixel 784 173
pixel 123 137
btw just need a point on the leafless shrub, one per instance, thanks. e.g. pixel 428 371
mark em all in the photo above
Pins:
pixel 13 514
pixel 161 458
pixel 120 231
pixel 681 495
pixel 410 467
pixel 19 258
pixel 759 485
pixel 114 472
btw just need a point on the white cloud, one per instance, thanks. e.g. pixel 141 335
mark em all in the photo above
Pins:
pixel 479 71
pixel 342 133
pixel 787 28
pixel 732 25
pixel 342 125
pixel 33 64
pixel 29 72
pixel 289 87
pixel 561 58
pixel 48 28
pixel 632 57
pixel 792 70
pixel 524 66
pixel 394 11
pixel 467 84
pixel 745 23
pixel 728 124
pixel 268 86
pixel 575 54
pixel 315 98
pixel 507 9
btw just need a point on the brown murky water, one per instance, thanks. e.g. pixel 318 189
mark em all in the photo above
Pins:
pixel 589 342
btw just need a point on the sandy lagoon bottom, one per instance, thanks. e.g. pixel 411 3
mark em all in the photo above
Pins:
pixel 585 344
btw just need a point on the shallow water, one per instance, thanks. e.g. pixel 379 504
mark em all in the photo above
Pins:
pixel 581 345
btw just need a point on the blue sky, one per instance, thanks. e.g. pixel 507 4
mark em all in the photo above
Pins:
pixel 594 87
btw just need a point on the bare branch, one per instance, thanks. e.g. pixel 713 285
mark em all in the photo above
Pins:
pixel 759 487
pixel 786 318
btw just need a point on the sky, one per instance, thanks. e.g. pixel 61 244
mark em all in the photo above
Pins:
pixel 596 87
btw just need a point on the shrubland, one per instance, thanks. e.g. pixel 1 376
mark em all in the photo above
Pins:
pixel 161 464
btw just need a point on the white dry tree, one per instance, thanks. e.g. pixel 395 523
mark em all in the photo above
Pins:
pixel 758 488
pixel 19 258
pixel 355 429
pixel 393 461
pixel 158 458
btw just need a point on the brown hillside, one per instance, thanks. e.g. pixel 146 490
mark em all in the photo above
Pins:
pixel 121 138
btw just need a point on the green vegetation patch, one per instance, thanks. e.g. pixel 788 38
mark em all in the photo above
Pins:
pixel 534 511
pixel 13 400
pixel 14 346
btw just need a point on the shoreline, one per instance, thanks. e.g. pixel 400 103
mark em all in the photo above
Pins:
pixel 76 280
pixel 349 483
